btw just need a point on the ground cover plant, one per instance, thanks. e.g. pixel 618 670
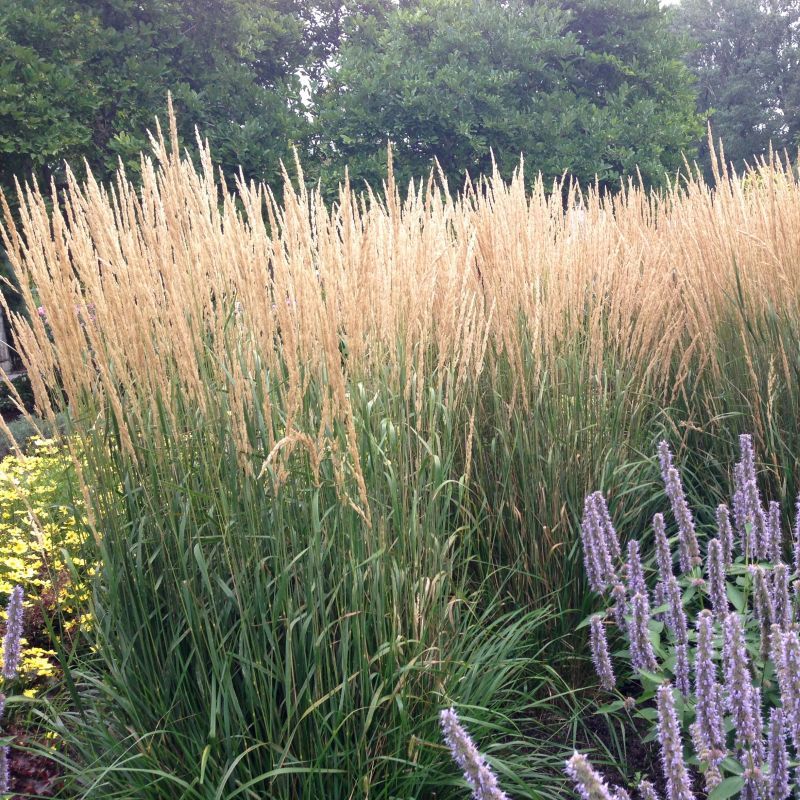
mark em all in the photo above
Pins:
pixel 333 456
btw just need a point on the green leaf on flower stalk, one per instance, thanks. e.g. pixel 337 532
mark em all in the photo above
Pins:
pixel 736 598
pixel 728 788
pixel 730 764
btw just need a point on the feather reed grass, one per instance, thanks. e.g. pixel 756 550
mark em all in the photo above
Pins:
pixel 333 455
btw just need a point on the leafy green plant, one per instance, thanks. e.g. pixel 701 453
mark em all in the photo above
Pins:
pixel 724 636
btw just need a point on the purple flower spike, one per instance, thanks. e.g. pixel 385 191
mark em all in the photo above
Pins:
pixel 739 684
pixel 2 706
pixel 647 791
pixel 636 582
pixel 600 543
pixel 762 607
pixel 600 657
pixel 678 626
pixel 11 642
pixel 710 713
pixel 588 783
pixel 620 607
pixel 688 549
pixel 476 771
pixel 778 757
pixel 676 776
pixel 725 533
pixel 774 534
pixel 797 537
pixel 663 552
pixel 642 655
pixel 756 535
pixel 715 569
pixel 607 526
pixel 781 602
pixel 5 771
pixel 789 683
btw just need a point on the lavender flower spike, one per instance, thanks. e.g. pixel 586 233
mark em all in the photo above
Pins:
pixel 778 757
pixel 600 543
pixel 762 607
pixel 607 526
pixel 738 684
pixel 725 533
pixel 647 791
pixel 781 603
pixel 688 549
pixel 642 655
pixel 676 622
pixel 774 543
pixel 663 553
pixel 620 608
pixel 715 568
pixel 477 772
pixel 588 784
pixel 5 771
pixel 636 582
pixel 600 657
pixel 11 642
pixel 797 537
pixel 676 775
pixel 710 713
pixel 789 683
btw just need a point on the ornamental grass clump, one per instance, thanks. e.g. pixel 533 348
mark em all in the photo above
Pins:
pixel 720 653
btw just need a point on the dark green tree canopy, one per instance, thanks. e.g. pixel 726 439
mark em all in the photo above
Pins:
pixel 85 79
pixel 587 88
pixel 746 57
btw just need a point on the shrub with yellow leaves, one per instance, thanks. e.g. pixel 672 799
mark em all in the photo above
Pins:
pixel 40 550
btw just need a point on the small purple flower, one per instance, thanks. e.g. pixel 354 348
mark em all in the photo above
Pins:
pixel 725 534
pixel 778 757
pixel 688 549
pixel 710 713
pixel 642 655
pixel 2 706
pixel 715 568
pixel 659 600
pixel 588 783
pixel 636 582
pixel 663 552
pixel 11 642
pixel 676 776
pixel 477 772
pixel 600 657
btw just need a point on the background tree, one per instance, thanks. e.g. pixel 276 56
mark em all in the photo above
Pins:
pixel 85 79
pixel 466 81
pixel 747 62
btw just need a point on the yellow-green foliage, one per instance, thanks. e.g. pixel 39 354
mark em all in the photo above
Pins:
pixel 40 545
